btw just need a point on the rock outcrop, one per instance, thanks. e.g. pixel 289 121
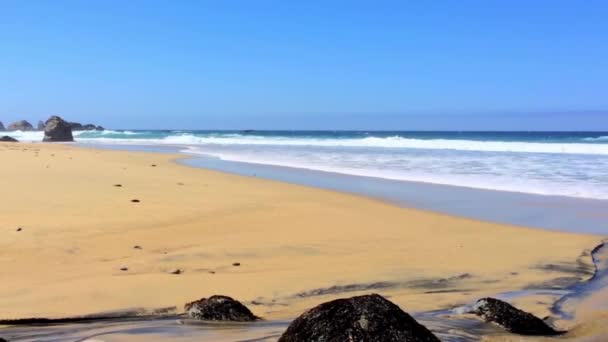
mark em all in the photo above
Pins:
pixel 40 125
pixel 57 129
pixel 8 139
pixel 512 319
pixel 20 125
pixel 76 126
pixel 2 126
pixel 370 318
pixel 219 308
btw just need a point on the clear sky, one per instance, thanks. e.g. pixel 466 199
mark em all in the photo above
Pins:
pixel 527 65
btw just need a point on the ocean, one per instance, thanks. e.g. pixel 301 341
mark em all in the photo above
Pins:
pixel 573 164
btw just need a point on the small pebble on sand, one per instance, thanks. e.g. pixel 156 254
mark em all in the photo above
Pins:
pixel 135 200
pixel 236 264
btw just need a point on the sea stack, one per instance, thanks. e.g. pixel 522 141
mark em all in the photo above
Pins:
pixel 21 125
pixel 1 126
pixel 57 130
pixel 40 125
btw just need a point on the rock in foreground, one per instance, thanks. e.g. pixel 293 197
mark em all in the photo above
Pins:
pixel 370 318
pixel 21 125
pixel 512 319
pixel 8 139
pixel 219 308
pixel 57 129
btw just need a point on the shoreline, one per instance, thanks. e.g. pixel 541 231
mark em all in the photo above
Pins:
pixel 548 212
pixel 369 203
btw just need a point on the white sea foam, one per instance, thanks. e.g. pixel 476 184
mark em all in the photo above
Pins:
pixel 371 142
pixel 582 177
pixel 601 138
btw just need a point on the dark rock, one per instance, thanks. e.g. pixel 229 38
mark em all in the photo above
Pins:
pixel 3 340
pixel 2 127
pixel 8 139
pixel 512 319
pixel 369 318
pixel 176 271
pixel 57 129
pixel 21 125
pixel 40 125
pixel 75 126
pixel 236 264
pixel 19 229
pixel 135 200
pixel 124 269
pixel 219 308
pixel 118 185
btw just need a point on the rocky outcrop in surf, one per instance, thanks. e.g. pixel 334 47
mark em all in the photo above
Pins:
pixel 20 125
pixel 40 125
pixel 8 139
pixel 2 127
pixel 370 318
pixel 512 319
pixel 219 308
pixel 57 130
pixel 76 126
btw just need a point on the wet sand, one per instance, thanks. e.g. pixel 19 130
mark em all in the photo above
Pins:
pixel 296 246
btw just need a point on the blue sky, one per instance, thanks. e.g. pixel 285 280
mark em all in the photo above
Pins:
pixel 528 65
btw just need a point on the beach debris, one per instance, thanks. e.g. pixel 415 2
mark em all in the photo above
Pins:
pixel 180 183
pixel 219 308
pixel 137 247
pixel 135 200
pixel 57 129
pixel 124 269
pixel 511 319
pixel 19 229
pixel 118 185
pixel 236 264
pixel 153 165
pixel 212 272
pixel 363 318
pixel 6 138
pixel 176 271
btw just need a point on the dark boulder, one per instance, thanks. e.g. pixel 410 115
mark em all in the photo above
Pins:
pixel 21 125
pixel 219 308
pixel 40 126
pixel 88 127
pixel 2 127
pixel 8 139
pixel 370 318
pixel 512 319
pixel 75 126
pixel 57 129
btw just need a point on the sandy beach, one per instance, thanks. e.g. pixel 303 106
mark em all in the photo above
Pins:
pixel 74 242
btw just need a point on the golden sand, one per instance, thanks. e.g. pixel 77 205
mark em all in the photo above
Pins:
pixel 79 230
